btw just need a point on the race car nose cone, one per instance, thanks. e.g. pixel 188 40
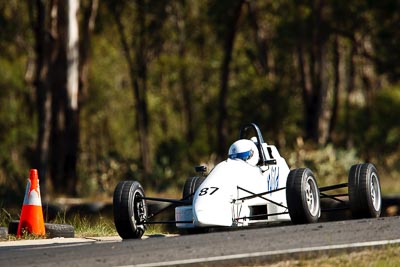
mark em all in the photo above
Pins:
pixel 212 203
pixel 207 218
pixel 208 213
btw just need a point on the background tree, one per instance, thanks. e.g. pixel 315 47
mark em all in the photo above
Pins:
pixel 45 31
pixel 64 90
pixel 57 89
pixel 226 24
pixel 138 52
pixel 164 86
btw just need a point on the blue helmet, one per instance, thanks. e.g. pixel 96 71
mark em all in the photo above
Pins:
pixel 246 150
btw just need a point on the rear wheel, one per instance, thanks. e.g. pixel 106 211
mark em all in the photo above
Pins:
pixel 302 196
pixel 364 191
pixel 130 210
pixel 190 187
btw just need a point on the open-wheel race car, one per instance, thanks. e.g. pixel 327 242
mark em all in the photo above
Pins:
pixel 253 185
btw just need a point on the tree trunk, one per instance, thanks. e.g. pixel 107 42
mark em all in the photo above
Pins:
pixel 314 108
pixel 315 95
pixel 222 127
pixel 350 88
pixel 72 108
pixel 44 54
pixel 336 84
pixel 140 89
pixel 304 85
pixel 65 109
pixel 138 76
pixel 260 39
pixel 183 77
pixel 187 98
pixel 325 108
pixel 58 92
pixel 89 18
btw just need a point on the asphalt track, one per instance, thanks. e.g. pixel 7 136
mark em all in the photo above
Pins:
pixel 240 247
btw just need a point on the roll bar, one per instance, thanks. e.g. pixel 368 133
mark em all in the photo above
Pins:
pixel 260 141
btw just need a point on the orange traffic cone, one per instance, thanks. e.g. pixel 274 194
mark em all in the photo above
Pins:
pixel 32 215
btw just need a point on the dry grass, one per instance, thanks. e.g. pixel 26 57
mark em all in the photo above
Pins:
pixel 385 256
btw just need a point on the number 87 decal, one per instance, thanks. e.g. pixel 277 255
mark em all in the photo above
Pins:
pixel 208 190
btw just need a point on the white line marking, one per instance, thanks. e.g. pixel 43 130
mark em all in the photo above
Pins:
pixel 267 253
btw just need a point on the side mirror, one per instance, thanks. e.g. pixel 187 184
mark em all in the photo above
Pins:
pixel 200 169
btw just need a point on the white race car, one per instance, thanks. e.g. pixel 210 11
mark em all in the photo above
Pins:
pixel 253 185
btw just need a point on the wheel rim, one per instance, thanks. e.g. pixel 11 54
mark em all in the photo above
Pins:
pixel 311 196
pixel 139 209
pixel 375 192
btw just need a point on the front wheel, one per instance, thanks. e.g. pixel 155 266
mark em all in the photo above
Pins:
pixel 302 196
pixel 130 210
pixel 364 191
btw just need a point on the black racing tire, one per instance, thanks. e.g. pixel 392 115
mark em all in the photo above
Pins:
pixel 190 187
pixel 365 197
pixel 52 229
pixel 13 227
pixel 59 230
pixel 302 195
pixel 129 209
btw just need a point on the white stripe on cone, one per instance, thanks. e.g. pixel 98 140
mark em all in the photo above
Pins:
pixel 32 197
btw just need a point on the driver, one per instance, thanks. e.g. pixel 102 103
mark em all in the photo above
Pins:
pixel 246 150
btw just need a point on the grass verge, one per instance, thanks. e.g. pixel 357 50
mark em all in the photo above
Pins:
pixel 85 227
pixel 387 256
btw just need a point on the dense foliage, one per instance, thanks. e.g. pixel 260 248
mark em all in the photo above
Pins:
pixel 320 78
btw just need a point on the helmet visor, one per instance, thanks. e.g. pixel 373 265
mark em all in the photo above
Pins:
pixel 243 155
